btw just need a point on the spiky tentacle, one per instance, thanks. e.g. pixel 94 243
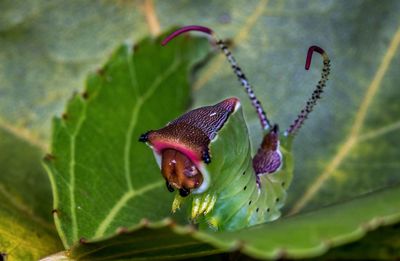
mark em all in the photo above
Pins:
pixel 316 95
pixel 236 68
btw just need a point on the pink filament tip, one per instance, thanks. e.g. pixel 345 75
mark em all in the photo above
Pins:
pixel 186 29
pixel 312 49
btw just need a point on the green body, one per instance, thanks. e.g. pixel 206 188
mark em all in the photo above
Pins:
pixel 233 199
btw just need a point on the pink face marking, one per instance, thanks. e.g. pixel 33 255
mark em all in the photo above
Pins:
pixel 159 146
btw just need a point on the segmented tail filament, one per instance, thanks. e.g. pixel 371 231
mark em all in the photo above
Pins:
pixel 316 95
pixel 236 69
pixel 311 102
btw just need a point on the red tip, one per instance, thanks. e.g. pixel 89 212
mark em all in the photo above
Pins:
pixel 310 52
pixel 184 30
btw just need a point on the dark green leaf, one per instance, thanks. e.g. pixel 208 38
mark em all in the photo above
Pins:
pixel 382 244
pixel 305 235
pixel 102 177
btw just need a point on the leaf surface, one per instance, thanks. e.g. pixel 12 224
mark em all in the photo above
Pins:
pixel 103 178
pixel 286 237
pixel 27 231
pixel 46 50
pixel 382 244
pixel 348 147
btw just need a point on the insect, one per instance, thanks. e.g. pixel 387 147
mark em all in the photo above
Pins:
pixel 205 155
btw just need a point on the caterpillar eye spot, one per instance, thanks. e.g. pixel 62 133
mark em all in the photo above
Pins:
pixel 245 187
pixel 244 173
pixel 268 209
pixel 249 202
pixel 277 200
pixel 257 209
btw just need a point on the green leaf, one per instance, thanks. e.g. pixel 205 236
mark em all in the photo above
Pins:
pixel 102 177
pixel 47 49
pixel 26 228
pixel 348 146
pixel 286 237
pixel 382 244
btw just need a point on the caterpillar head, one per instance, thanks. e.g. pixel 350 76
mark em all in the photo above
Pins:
pixel 182 146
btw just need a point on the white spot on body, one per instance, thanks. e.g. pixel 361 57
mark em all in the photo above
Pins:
pixel 237 106
pixel 172 162
pixel 206 180
pixel 280 156
pixel 158 158
pixel 212 114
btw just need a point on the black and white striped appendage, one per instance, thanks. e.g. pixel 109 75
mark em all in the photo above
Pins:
pixel 245 83
pixel 239 73
pixel 312 101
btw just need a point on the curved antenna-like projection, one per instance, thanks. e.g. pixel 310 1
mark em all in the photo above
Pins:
pixel 316 95
pixel 236 69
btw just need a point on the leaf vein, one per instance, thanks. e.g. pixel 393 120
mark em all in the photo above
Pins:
pixel 22 207
pixel 134 117
pixel 149 249
pixel 151 17
pixel 72 166
pixel 379 132
pixel 24 134
pixel 240 36
pixel 131 194
pixel 352 138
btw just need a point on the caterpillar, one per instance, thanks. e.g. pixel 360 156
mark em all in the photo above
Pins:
pixel 205 155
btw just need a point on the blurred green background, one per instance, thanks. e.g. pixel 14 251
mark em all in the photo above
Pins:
pixel 348 147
